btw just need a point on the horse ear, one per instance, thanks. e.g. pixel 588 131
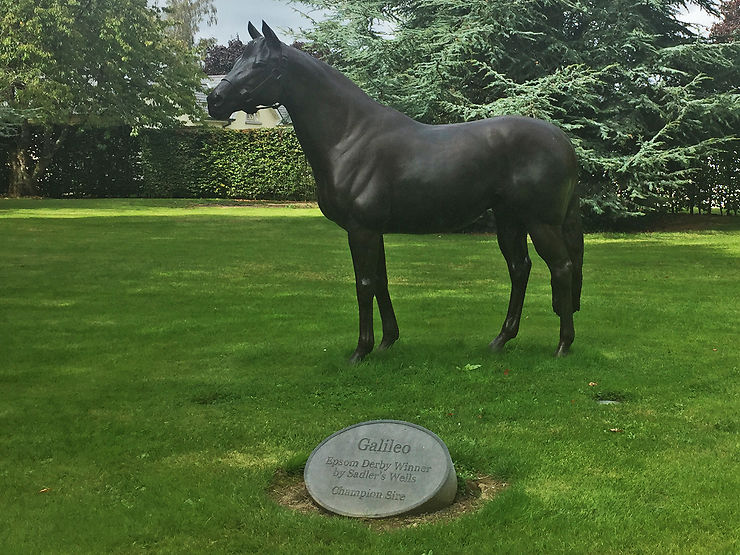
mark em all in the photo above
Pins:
pixel 270 36
pixel 253 32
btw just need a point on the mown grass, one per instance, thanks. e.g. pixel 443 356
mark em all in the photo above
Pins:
pixel 161 360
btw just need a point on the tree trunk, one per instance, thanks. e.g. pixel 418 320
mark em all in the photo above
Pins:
pixel 24 173
pixel 20 172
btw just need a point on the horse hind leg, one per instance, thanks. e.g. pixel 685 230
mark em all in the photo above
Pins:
pixel 551 245
pixel 512 240
pixel 573 235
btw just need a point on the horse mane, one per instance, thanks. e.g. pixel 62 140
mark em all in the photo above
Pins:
pixel 328 74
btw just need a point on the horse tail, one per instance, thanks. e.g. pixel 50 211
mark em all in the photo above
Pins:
pixel 573 235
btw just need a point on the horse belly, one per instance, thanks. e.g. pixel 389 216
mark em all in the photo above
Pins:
pixel 439 200
pixel 444 178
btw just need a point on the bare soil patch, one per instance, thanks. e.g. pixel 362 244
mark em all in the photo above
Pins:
pixel 289 490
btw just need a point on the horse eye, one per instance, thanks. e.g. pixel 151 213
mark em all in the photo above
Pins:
pixel 259 63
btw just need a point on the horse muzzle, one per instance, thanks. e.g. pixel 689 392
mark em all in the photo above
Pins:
pixel 218 107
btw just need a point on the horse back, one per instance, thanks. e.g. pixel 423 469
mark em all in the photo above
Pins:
pixel 416 178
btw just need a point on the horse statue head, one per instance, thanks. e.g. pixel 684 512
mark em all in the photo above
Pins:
pixel 254 81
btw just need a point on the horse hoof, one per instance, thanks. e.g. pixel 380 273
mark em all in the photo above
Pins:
pixel 387 344
pixel 562 351
pixel 497 345
pixel 356 357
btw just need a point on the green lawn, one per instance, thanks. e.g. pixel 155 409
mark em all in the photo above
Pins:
pixel 160 361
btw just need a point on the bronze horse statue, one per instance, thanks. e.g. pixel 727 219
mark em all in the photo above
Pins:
pixel 378 171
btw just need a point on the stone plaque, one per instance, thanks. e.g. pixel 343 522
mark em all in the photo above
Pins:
pixel 381 468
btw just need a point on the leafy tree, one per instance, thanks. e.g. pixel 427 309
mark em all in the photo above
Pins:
pixel 11 119
pixel 220 59
pixel 641 95
pixel 729 27
pixel 186 16
pixel 87 63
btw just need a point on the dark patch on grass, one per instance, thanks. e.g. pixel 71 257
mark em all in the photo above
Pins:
pixel 729 426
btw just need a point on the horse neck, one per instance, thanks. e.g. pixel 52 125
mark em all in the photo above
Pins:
pixel 325 106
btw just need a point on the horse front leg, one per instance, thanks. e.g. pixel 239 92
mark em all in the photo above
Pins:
pixel 365 249
pixel 383 296
pixel 512 240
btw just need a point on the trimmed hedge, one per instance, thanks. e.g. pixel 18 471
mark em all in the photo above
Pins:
pixel 187 162
pixel 208 163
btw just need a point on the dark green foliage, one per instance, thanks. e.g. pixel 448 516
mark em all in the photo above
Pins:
pixel 11 119
pixel 265 164
pixel 717 184
pixel 167 163
pixel 220 59
pixel 729 27
pixel 94 163
pixel 192 163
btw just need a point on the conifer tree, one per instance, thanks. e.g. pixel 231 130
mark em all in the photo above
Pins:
pixel 643 97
